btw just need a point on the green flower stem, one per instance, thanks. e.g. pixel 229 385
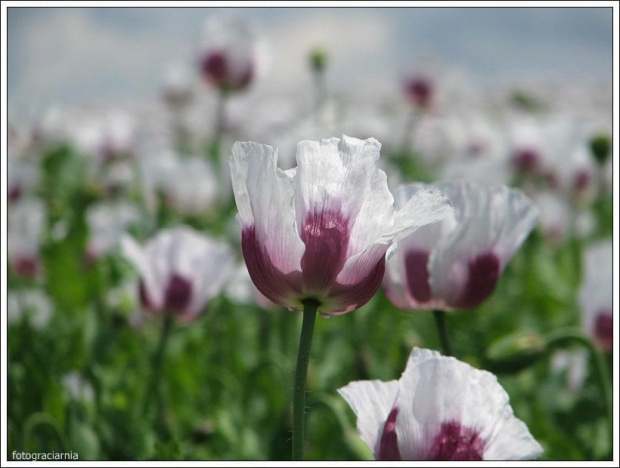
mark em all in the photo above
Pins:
pixel 320 92
pixel 157 364
pixel 301 373
pixel 566 337
pixel 220 127
pixel 442 330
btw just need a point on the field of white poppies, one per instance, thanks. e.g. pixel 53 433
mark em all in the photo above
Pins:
pixel 164 261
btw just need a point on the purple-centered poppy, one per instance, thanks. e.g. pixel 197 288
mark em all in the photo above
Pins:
pixel 228 57
pixel 457 263
pixel 440 409
pixel 419 90
pixel 596 295
pixel 180 271
pixel 321 230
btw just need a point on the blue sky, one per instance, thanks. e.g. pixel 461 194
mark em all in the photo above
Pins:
pixel 75 54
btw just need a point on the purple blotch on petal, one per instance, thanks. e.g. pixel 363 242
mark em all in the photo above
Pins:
pixel 483 273
pixel 455 442
pixel 526 160
pixel 348 297
pixel 215 68
pixel 326 236
pixel 581 181
pixel 15 193
pixel 26 267
pixel 416 271
pixel 420 91
pixel 388 445
pixel 271 282
pixel 178 294
pixel 604 329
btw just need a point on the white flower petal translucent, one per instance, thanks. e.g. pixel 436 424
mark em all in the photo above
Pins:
pixel 153 278
pixel 423 210
pixel 264 196
pixel 371 401
pixel 334 175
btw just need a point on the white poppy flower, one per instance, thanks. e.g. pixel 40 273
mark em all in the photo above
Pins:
pixel 228 58
pixel 456 264
pixel 321 230
pixel 180 271
pixel 596 295
pixel 440 409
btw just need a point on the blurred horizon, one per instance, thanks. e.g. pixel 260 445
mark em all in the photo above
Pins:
pixel 65 56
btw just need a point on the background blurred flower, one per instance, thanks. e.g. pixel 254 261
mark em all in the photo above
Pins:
pixel 440 409
pixel 77 388
pixel 228 56
pixel 30 304
pixel 189 185
pixel 555 216
pixel 178 88
pixel 23 177
pixel 321 230
pixel 26 223
pixel 596 294
pixel 107 223
pixel 180 271
pixel 456 264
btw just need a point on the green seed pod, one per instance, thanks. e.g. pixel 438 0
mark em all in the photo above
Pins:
pixel 600 147
pixel 318 60
pixel 515 352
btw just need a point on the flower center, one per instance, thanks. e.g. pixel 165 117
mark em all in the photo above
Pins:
pixel 416 262
pixel 178 294
pixel 604 328
pixel 326 236
pixel 483 274
pixel 455 442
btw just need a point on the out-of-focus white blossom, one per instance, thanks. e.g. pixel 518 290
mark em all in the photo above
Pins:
pixel 456 263
pixel 107 222
pixel 31 304
pixel 596 294
pixel 26 221
pixel 180 271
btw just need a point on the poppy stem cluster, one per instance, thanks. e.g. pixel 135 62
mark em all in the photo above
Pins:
pixel 220 121
pixel 301 372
